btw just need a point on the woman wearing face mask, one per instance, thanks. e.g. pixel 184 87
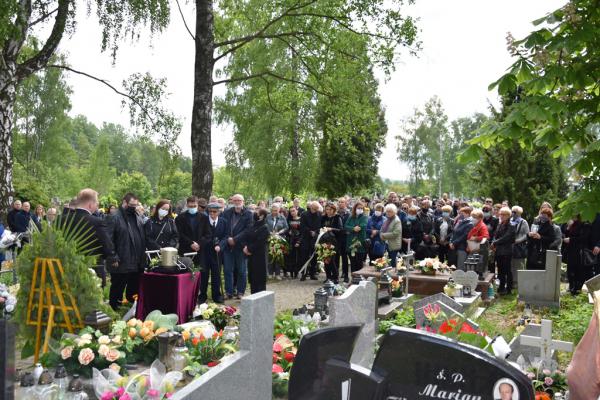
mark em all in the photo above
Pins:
pixel 412 231
pixel 377 246
pixel 356 226
pixel 479 232
pixel 502 244
pixel 160 228
pixel 443 228
pixel 332 223
pixel 391 232
pixel 256 239
pixel 540 239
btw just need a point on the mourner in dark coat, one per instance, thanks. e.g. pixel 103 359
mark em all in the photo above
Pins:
pixel 503 240
pixel 332 222
pixel 126 230
pixel 541 237
pixel 235 263
pixel 577 236
pixel 160 228
pixel 213 258
pixel 256 251
pixel 193 231
pixel 442 231
pixel 310 225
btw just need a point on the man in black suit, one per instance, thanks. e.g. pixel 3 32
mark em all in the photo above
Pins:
pixel 11 218
pixel 213 255
pixel 81 221
pixel 193 229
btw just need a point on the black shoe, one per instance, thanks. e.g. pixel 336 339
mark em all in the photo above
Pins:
pixel 202 300
pixel 313 278
pixel 303 278
pixel 219 300
pixel 346 279
pixel 335 281
pixel 229 296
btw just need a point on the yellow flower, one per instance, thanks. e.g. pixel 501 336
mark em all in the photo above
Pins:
pixel 185 335
pixel 103 339
pixel 160 330
pixel 132 332
pixel 149 324
pixel 132 322
pixel 144 332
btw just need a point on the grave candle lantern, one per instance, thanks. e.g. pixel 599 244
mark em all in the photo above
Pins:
pixel 320 300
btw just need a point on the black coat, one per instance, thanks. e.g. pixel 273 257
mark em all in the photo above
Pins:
pixel 335 235
pixel 218 236
pixel 412 230
pixel 492 224
pixel 128 237
pixel 96 239
pixel 504 238
pixel 256 241
pixel 310 225
pixel 188 235
pixel 536 248
pixel 11 220
pixel 160 233
pixel 595 233
pixel 579 236
pixel 437 229
pixel 238 231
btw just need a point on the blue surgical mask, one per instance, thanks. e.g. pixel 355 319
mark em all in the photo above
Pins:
pixel 487 215
pixel 378 213
pixel 445 214
pixel 412 217
pixel 192 211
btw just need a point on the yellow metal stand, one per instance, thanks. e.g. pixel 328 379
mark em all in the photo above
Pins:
pixel 43 296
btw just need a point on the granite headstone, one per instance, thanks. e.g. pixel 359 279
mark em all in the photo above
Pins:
pixel 542 288
pixel 410 364
pixel 469 278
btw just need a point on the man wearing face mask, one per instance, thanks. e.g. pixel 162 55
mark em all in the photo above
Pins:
pixel 193 230
pixel 126 230
pixel 235 263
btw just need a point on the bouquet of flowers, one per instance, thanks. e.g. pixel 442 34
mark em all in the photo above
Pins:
pixel 8 301
pixel 284 354
pixel 381 263
pixel 430 266
pixel 206 351
pixel 546 382
pixel 220 315
pixel 355 246
pixel 154 383
pixel 325 252
pixel 278 249
pixel 397 287
pixel 453 328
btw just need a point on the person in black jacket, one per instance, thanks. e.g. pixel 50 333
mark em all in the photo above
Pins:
pixel 214 255
pixel 442 231
pixel 310 225
pixel 577 236
pixel 541 237
pixel 426 248
pixel 256 251
pixel 344 213
pixel 126 230
pixel 160 227
pixel 412 231
pixel 293 259
pixel 12 215
pixel 332 222
pixel 504 238
pixel 193 230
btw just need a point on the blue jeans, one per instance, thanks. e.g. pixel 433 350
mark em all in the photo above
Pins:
pixel 235 262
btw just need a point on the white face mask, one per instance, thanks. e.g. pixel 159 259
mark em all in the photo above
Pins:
pixel 359 211
pixel 162 213
pixel 378 213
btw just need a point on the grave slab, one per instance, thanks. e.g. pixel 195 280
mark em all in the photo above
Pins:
pixel 358 305
pixel 542 288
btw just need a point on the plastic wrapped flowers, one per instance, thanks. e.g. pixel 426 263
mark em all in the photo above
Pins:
pixel 8 302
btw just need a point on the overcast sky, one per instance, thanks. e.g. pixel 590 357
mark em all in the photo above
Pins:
pixel 464 50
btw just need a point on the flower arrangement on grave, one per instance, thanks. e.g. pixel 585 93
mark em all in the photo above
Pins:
pixel 205 352
pixel 284 354
pixel 220 315
pixel 8 301
pixel 154 383
pixel 381 263
pixel 452 288
pixel 400 267
pixel 431 266
pixel 293 328
pixel 453 328
pixel 128 342
pixel 396 286
pixel 355 246
pixel 547 382
pixel 61 242
pixel 278 249
pixel 325 252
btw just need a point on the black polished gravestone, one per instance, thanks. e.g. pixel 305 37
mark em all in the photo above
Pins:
pixel 410 365
pixel 7 360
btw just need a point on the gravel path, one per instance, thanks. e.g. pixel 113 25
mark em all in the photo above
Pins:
pixel 289 293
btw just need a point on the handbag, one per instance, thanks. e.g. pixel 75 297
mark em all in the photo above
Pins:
pixel 588 259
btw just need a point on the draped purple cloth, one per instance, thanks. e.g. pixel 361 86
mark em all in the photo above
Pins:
pixel 169 293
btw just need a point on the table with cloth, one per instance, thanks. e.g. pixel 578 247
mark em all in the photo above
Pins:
pixel 169 293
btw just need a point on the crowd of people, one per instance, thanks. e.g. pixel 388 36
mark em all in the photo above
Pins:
pixel 232 236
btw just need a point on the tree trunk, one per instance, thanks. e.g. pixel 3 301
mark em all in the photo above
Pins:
pixel 202 173
pixel 8 84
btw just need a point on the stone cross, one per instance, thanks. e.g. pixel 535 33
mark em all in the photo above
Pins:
pixel 545 342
